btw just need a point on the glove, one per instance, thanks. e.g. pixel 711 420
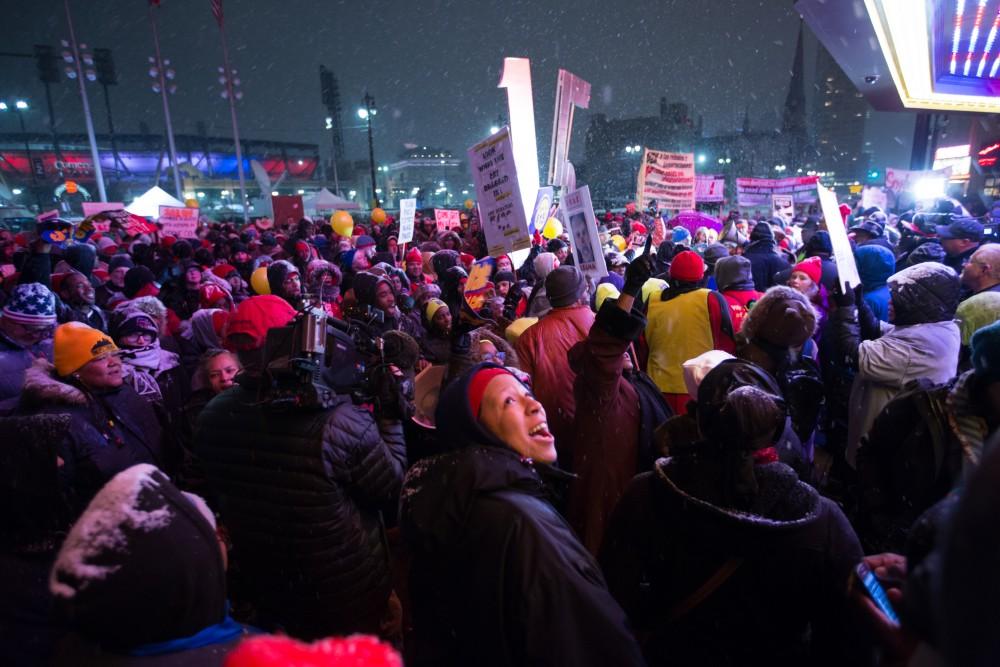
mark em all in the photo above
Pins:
pixel 393 394
pixel 511 302
pixel 639 271
pixel 846 299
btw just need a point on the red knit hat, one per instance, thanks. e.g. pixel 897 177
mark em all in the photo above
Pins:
pixel 477 386
pixel 414 256
pixel 639 228
pixel 353 651
pixel 812 267
pixel 210 294
pixel 223 270
pixel 687 267
pixel 256 315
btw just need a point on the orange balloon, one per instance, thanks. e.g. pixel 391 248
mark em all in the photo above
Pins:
pixel 378 216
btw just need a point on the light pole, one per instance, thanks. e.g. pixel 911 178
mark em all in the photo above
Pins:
pixel 366 113
pixel 160 72
pixel 20 106
pixel 77 73
pixel 228 76
pixel 333 154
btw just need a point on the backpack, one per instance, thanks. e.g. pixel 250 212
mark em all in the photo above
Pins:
pixel 906 463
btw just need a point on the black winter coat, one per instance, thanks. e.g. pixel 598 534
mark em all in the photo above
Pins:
pixel 765 263
pixel 301 494
pixel 498 576
pixel 796 552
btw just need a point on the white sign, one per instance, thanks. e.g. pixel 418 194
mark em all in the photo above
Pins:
pixel 543 204
pixel 516 79
pixel 571 92
pixel 709 188
pixel 667 179
pixel 583 231
pixel 842 253
pixel 757 192
pixel 179 221
pixel 447 219
pixel 783 206
pixel 501 208
pixel 874 195
pixel 407 212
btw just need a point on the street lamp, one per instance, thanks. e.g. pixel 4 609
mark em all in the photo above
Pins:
pixel 20 106
pixel 161 72
pixel 701 158
pixel 494 129
pixel 366 113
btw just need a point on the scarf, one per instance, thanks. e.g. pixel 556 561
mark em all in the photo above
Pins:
pixel 143 365
pixel 223 632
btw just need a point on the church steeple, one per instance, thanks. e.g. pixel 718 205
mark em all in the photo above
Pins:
pixel 794 119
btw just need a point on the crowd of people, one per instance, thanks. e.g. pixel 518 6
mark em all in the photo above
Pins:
pixel 683 462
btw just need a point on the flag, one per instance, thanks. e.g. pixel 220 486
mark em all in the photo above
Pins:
pixel 217 11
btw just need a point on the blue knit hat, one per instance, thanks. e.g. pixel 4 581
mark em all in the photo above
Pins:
pixel 32 304
pixel 681 235
pixel 985 346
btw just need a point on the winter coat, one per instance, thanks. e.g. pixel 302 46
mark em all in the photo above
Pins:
pixel 109 431
pixel 608 423
pixel 96 318
pixel 498 577
pixel 15 359
pixel 875 265
pixel 784 603
pixel 301 493
pixel 542 350
pixel 765 262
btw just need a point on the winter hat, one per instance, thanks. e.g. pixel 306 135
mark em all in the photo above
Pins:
pixel 734 273
pixel 875 264
pixel 366 285
pixel 74 345
pixel 555 245
pixel 783 317
pixel 696 369
pixel 210 295
pixel 504 276
pixel 819 243
pixel 613 259
pixel 130 320
pixel 255 316
pixel 431 308
pixel 687 267
pixel 273 651
pixel 565 286
pixel 976 312
pixel 681 236
pixel 544 265
pixel 651 287
pixel 267 240
pixel 31 304
pixel 713 253
pixel 518 327
pixel 414 255
pixel 762 232
pixel 224 271
pixel 138 278
pixel 604 292
pixel 639 228
pixel 985 346
pixel 812 267
pixel 363 241
pixel 277 272
pixel 119 261
pixel 717 422
pixel 140 533
pixel 477 386
pixel 442 260
pixel 107 246
pixel 930 251
pixel 927 292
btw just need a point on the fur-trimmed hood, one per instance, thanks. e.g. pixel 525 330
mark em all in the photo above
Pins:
pixel 43 388
pixel 783 316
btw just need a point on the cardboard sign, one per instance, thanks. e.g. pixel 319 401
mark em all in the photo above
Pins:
pixel 842 253
pixel 542 210
pixel 407 213
pixel 179 221
pixel 583 231
pixel 757 192
pixel 498 193
pixel 285 207
pixel 136 224
pixel 666 179
pixel 571 92
pixel 783 206
pixel 446 219
pixel 478 283
pixel 94 207
pixel 709 188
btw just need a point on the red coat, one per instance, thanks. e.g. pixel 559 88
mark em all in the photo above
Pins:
pixel 739 305
pixel 542 352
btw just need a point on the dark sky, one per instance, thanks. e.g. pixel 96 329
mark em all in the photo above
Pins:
pixel 432 66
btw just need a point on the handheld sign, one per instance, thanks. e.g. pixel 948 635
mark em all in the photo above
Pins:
pixel 842 253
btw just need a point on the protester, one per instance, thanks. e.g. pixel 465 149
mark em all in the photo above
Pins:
pixel 26 325
pixel 764 258
pixel 960 239
pixel 875 264
pixel 982 272
pixel 734 278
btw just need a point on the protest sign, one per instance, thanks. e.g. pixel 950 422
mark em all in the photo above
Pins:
pixel 179 221
pixel 666 179
pixel 899 180
pixel 286 207
pixel 542 210
pixel 407 213
pixel 873 195
pixel 478 283
pixel 501 206
pixel 92 208
pixel 583 231
pixel 447 219
pixel 783 206
pixel 843 255
pixel 757 192
pixel 571 92
pixel 709 188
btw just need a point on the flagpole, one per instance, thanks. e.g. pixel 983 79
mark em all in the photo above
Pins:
pixel 230 95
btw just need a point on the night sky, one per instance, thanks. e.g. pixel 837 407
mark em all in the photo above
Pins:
pixel 432 66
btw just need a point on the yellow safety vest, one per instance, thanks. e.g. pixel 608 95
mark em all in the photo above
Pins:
pixel 677 330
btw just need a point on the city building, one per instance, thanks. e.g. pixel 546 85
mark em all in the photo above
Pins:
pixel 434 176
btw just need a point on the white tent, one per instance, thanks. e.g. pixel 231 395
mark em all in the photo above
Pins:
pixel 324 200
pixel 148 204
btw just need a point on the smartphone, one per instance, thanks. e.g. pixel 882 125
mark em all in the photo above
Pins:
pixel 875 590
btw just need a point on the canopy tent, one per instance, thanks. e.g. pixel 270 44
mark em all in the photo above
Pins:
pixel 324 200
pixel 148 204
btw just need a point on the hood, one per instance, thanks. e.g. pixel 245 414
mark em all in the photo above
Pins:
pixel 783 316
pixel 734 273
pixel 140 533
pixel 442 260
pixel 782 502
pixel 277 271
pixel 819 244
pixel 439 492
pixel 875 264
pixel 42 388
pixel 926 292
pixel 457 427
pixel 365 285
pixel 762 232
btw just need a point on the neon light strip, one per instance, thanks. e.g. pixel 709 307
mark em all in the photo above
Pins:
pixel 957 35
pixel 989 44
pixel 975 37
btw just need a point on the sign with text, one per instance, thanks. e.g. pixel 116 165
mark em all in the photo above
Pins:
pixel 666 179
pixel 754 192
pixel 179 221
pixel 542 210
pixel 843 255
pixel 93 208
pixel 571 92
pixel 709 188
pixel 501 207
pixel 407 213
pixel 783 206
pixel 587 248
pixel 447 219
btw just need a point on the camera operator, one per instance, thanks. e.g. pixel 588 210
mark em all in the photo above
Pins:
pixel 302 489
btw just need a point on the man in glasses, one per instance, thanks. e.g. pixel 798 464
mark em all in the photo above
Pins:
pixel 26 326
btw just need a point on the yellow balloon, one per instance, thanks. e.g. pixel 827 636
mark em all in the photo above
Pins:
pixel 191 203
pixel 342 223
pixel 469 204
pixel 378 216
pixel 258 281
pixel 619 242
pixel 552 228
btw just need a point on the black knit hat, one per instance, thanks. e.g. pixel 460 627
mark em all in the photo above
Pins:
pixel 137 278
